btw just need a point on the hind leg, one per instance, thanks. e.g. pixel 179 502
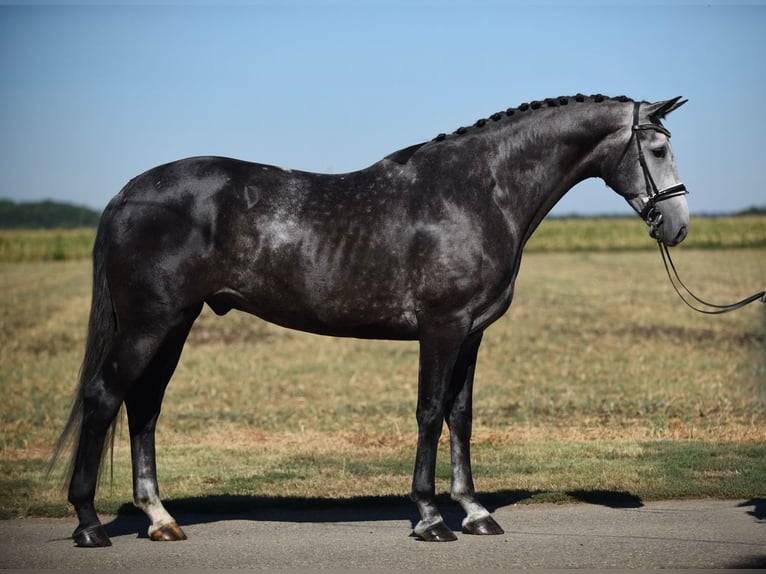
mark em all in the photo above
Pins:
pixel 133 352
pixel 100 408
pixel 102 397
pixel 143 411
pixel 143 405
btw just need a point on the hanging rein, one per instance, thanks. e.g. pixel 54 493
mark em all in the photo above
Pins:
pixel 653 219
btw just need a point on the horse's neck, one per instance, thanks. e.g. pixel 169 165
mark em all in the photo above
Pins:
pixel 541 158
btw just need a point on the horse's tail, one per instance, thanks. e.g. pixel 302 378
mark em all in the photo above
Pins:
pixel 102 328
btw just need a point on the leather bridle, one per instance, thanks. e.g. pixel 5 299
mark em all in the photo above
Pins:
pixel 653 218
pixel 649 214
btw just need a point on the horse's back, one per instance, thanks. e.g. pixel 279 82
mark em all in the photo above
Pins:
pixel 301 249
pixel 358 254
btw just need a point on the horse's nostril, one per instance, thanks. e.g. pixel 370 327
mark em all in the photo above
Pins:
pixel 681 235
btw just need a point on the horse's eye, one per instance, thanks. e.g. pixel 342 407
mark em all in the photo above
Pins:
pixel 659 152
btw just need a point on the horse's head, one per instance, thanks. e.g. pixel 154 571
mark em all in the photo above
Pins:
pixel 646 174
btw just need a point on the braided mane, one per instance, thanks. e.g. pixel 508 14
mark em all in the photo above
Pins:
pixel 534 105
pixel 403 155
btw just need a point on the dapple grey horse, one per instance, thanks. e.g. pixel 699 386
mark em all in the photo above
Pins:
pixel 423 245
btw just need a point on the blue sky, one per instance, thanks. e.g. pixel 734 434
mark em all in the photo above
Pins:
pixel 94 94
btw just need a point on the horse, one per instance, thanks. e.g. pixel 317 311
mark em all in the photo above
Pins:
pixel 423 245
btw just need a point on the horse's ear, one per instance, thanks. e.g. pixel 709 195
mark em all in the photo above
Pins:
pixel 659 110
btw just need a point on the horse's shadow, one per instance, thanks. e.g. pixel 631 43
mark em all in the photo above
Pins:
pixel 208 509
pixel 759 508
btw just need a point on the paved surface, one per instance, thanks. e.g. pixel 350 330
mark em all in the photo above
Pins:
pixel 697 534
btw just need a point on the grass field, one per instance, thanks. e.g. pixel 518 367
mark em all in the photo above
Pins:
pixel 598 382
pixel 614 234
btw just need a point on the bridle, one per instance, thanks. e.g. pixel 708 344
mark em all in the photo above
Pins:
pixel 649 214
pixel 653 219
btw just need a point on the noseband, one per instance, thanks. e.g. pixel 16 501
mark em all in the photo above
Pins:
pixel 654 195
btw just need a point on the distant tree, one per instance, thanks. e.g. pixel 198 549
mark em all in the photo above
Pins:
pixel 45 215
pixel 754 211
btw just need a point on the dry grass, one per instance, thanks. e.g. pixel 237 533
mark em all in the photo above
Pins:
pixel 595 345
pixel 598 376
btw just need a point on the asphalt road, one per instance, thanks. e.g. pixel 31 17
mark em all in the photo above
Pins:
pixel 673 534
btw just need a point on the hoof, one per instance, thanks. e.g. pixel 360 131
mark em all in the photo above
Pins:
pixel 91 537
pixel 483 526
pixel 436 533
pixel 168 533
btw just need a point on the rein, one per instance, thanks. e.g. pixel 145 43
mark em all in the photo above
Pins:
pixel 676 282
pixel 653 219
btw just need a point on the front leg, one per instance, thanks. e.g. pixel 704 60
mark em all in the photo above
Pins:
pixel 438 352
pixel 459 419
